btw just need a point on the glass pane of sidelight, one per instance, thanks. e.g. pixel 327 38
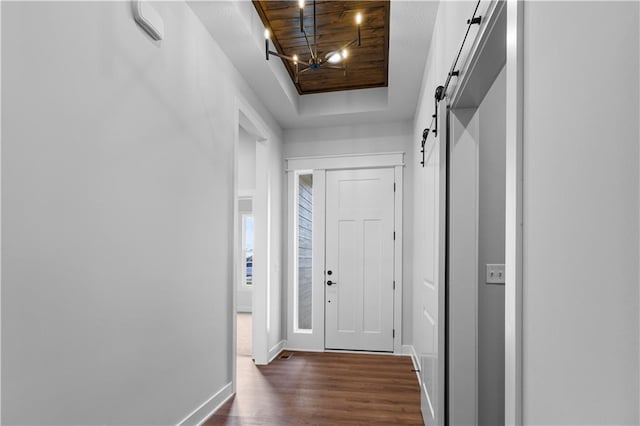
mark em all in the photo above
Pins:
pixel 304 254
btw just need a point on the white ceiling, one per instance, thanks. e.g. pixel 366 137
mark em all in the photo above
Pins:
pixel 236 27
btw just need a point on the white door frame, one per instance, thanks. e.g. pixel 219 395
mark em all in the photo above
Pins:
pixel 513 215
pixel 514 188
pixel 247 118
pixel 314 340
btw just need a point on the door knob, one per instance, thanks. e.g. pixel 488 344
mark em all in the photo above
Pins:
pixel 331 282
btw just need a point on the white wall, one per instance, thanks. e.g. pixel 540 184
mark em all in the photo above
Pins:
pixel 580 340
pixel 491 242
pixel 359 139
pixel 117 207
pixel 246 162
pixel 580 206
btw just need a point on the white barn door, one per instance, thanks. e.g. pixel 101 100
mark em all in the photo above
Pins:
pixel 430 295
pixel 359 270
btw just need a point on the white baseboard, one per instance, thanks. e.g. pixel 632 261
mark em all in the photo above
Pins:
pixel 275 350
pixel 344 351
pixel 409 350
pixel 210 406
pixel 290 348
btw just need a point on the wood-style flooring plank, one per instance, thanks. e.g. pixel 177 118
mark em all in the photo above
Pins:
pixel 324 389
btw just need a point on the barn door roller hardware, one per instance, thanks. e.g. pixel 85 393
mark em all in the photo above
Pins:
pixel 441 91
pixel 434 119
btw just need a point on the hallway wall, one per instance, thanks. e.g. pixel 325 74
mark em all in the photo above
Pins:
pixel 117 214
pixel 247 162
pixel 581 213
pixel 362 139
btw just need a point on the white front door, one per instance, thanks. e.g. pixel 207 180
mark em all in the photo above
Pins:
pixel 359 287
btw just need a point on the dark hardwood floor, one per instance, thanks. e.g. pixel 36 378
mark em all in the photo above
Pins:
pixel 324 389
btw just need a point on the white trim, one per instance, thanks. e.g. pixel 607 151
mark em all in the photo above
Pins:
pixel 397 260
pixel 513 214
pixel 345 351
pixel 484 46
pixel 350 161
pixel 0 208
pixel 315 341
pixel 319 261
pixel 409 350
pixel 294 258
pixel 306 340
pixel 294 349
pixel 261 250
pixel 426 396
pixel 247 117
pixel 209 407
pixel 276 350
pixel 330 156
pixel 236 250
pixel 403 352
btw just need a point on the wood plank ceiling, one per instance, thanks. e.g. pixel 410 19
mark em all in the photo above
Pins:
pixel 367 65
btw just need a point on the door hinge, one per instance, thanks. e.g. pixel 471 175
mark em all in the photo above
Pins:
pixel 394 187
pixel 394 285
pixel 394 235
pixel 394 333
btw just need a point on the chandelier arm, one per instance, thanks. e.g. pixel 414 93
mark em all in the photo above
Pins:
pixel 315 31
pixel 351 43
pixel 304 70
pixel 279 55
pixel 306 37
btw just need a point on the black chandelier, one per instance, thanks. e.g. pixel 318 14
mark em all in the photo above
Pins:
pixel 335 59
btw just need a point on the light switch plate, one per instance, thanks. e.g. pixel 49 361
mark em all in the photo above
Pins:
pixel 495 273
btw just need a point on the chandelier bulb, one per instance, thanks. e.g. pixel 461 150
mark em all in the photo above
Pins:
pixel 345 53
pixel 359 18
pixel 301 4
pixel 295 59
pixel 266 33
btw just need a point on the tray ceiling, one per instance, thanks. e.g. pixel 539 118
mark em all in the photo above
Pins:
pixel 367 65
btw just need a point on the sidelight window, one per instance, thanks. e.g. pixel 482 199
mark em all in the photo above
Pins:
pixel 303 256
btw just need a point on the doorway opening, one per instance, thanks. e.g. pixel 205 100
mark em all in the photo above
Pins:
pixel 251 254
pixel 245 241
pixel 244 286
pixel 476 215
